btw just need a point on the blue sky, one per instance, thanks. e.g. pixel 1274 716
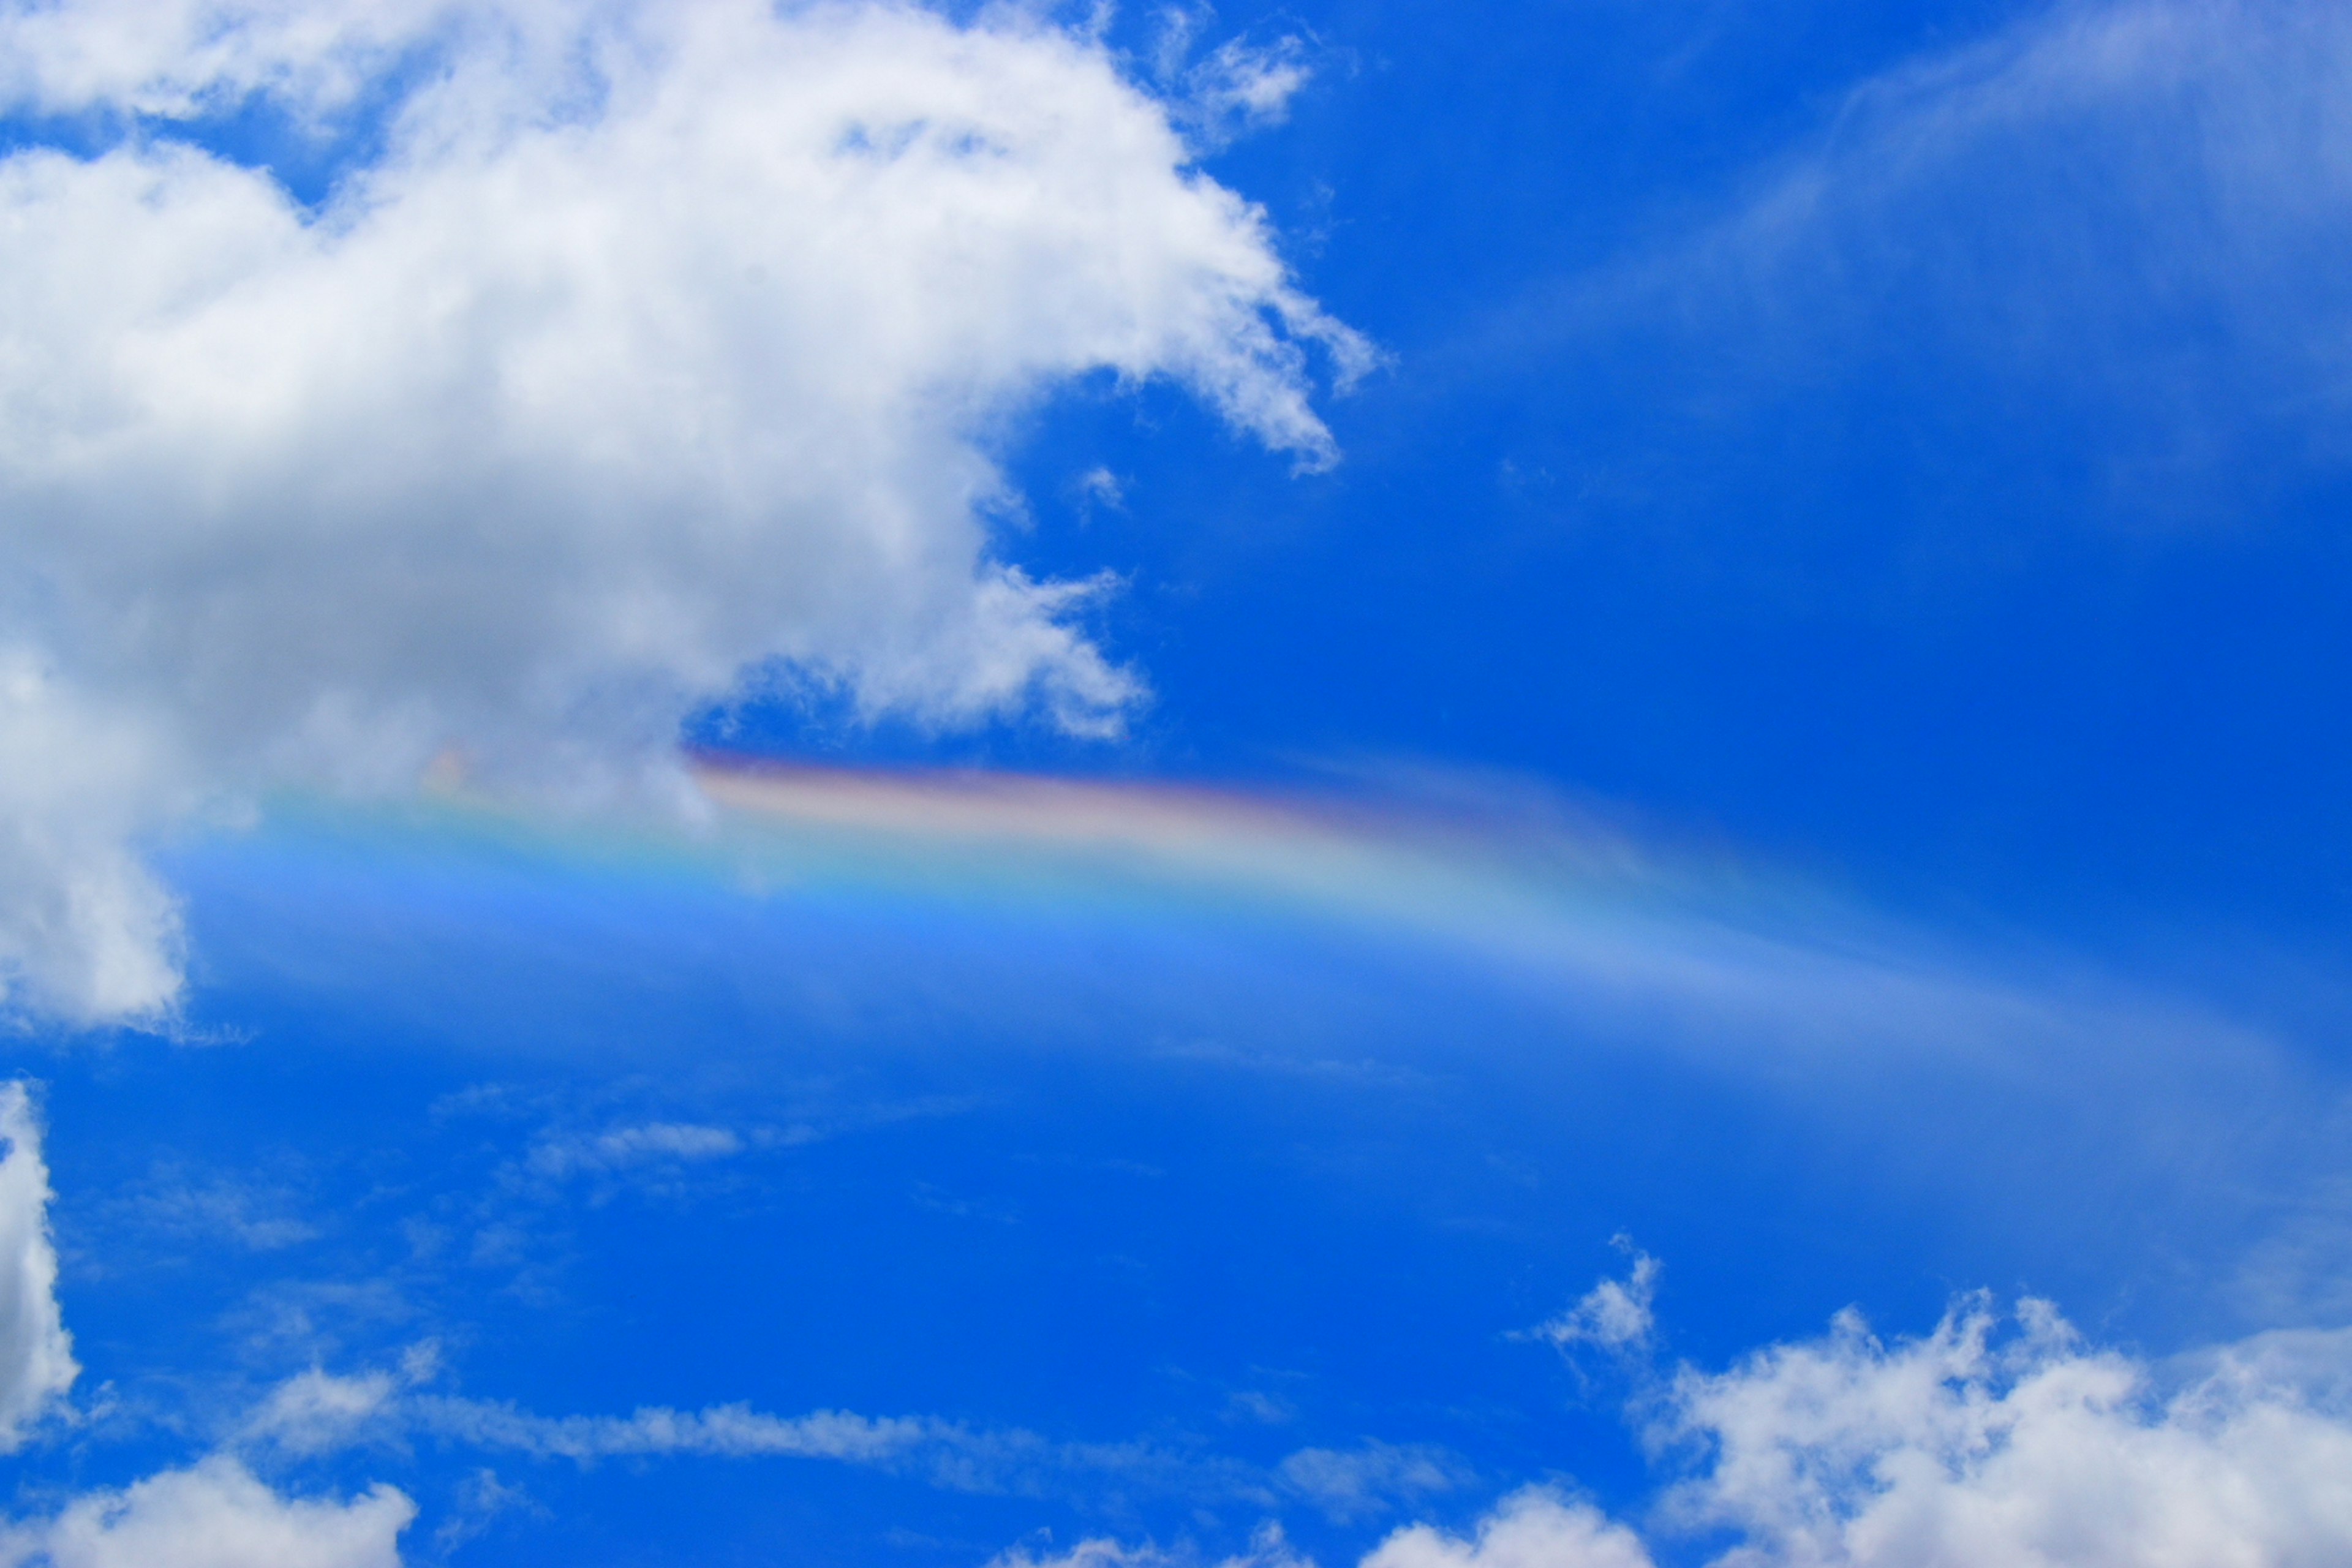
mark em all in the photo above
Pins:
pixel 1554 787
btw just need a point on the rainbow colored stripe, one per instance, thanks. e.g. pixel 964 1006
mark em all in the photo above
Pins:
pixel 1343 856
pixel 1507 876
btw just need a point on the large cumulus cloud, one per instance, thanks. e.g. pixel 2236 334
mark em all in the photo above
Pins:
pixel 654 351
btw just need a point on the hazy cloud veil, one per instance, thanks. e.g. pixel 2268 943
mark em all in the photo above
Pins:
pixel 659 349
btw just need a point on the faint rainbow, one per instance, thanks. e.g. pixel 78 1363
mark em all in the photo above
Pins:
pixel 1587 911
pixel 1522 873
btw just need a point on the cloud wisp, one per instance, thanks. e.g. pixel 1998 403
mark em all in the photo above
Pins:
pixel 646 357
pixel 1617 1315
pixel 317 1411
pixel 2130 207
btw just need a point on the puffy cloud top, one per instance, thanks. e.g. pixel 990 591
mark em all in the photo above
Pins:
pixel 658 351
pixel 214 1515
pixel 1963 1449
pixel 1968 1445
pixel 1534 1528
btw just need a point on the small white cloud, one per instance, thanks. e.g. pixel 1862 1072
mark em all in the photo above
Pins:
pixel 1100 1552
pixel 1533 1528
pixel 1615 1314
pixel 1098 487
pixel 1238 88
pixel 1369 1478
pixel 1243 88
pixel 482 1500
pixel 317 1411
pixel 623 1147
pixel 37 1364
pixel 213 1515
pixel 1175 30
pixel 1268 1549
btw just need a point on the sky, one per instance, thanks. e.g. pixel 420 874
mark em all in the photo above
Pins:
pixel 1330 786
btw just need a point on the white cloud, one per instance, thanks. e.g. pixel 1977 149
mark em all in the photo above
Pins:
pixel 664 350
pixel 86 931
pixel 175 57
pixel 1972 1445
pixel 181 1204
pixel 1964 1447
pixel 1978 1443
pixel 559 1156
pixel 318 1411
pixel 1370 1478
pixel 213 1515
pixel 37 1364
pixel 1098 487
pixel 2133 206
pixel 726 1431
pixel 1268 1549
pixel 1533 1528
pixel 1241 87
pixel 1615 1314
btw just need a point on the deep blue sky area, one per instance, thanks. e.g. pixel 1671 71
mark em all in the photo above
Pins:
pixel 1949 615
pixel 1801 745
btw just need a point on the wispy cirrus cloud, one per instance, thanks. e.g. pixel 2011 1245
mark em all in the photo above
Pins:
pixel 179 1204
pixel 621 1147
pixel 2121 215
pixel 318 1411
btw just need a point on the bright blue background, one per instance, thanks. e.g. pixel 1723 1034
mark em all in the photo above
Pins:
pixel 2008 644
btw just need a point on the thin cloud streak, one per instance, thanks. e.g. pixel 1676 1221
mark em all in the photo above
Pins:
pixel 2133 207
pixel 318 1413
